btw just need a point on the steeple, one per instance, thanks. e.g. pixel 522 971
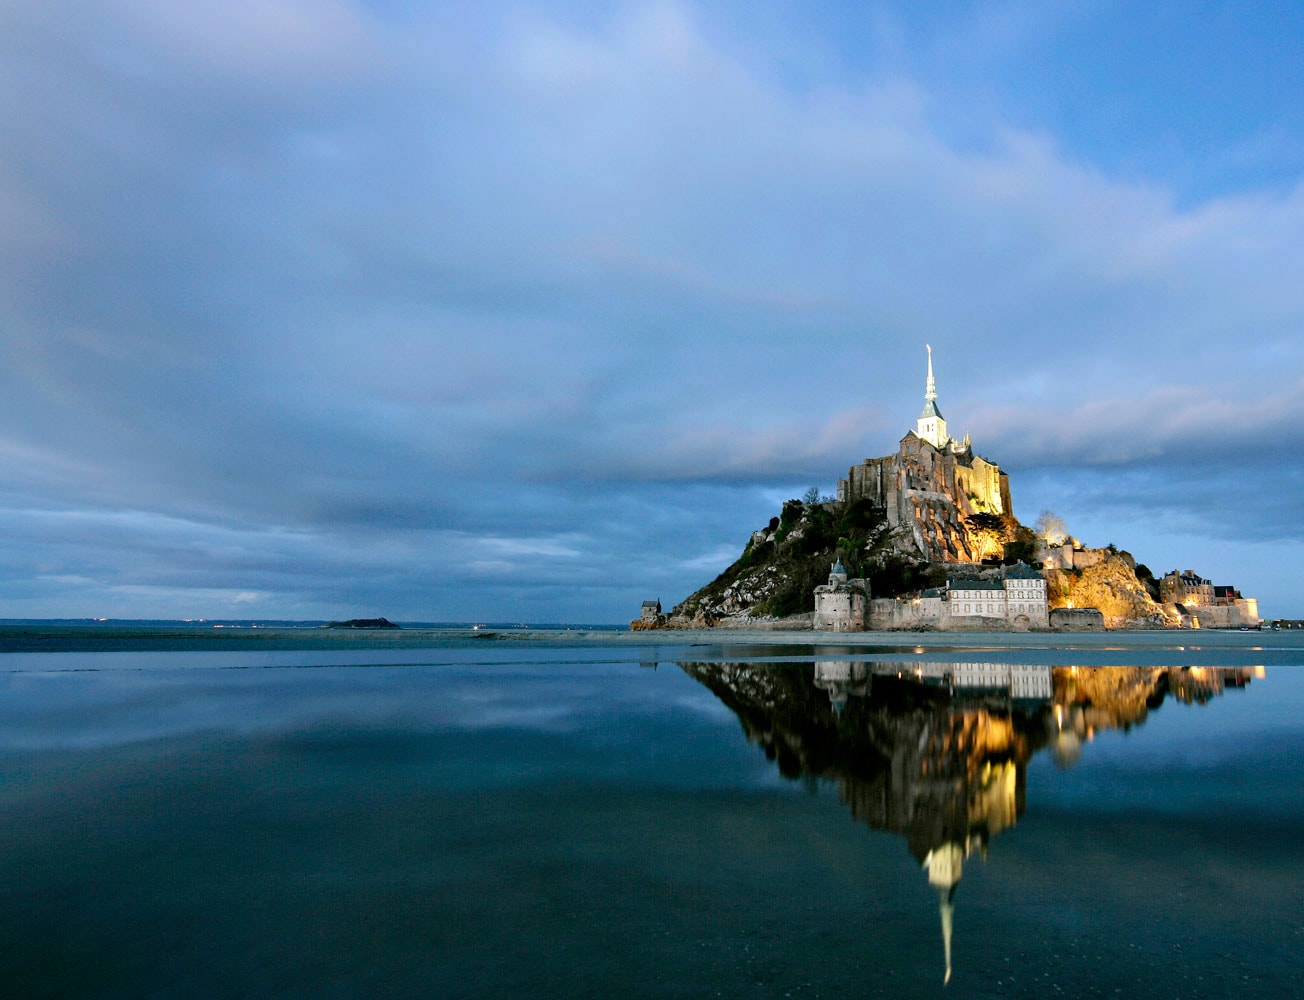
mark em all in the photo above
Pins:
pixel 944 864
pixel 931 426
pixel 930 390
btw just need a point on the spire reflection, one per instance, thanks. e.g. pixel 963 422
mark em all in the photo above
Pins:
pixel 938 752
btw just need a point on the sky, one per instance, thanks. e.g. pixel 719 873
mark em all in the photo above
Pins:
pixel 532 311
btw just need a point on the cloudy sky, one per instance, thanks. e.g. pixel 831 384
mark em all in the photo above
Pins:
pixel 530 311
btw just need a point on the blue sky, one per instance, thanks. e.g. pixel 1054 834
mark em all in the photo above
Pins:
pixel 532 311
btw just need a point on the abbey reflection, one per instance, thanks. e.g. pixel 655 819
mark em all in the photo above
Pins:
pixel 938 752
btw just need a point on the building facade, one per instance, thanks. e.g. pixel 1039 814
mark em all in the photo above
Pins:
pixel 1185 588
pixel 1015 600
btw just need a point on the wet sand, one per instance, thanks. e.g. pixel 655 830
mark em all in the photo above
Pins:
pixel 94 638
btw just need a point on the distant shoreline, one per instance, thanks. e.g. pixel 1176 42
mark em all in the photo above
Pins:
pixel 37 638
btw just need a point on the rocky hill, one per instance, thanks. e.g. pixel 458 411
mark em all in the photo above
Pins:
pixel 1112 586
pixel 903 522
pixel 783 563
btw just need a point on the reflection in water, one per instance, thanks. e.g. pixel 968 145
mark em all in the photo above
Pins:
pixel 937 752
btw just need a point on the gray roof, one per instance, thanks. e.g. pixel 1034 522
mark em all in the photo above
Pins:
pixel 1022 571
pixel 931 410
pixel 963 583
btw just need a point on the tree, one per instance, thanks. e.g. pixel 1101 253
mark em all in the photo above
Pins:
pixel 811 496
pixel 1050 527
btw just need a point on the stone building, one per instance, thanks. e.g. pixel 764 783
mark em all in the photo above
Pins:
pixel 840 604
pixel 1069 554
pixel 1016 599
pixel 1185 588
pixel 1077 620
pixel 932 488
pixel 649 617
pixel 1247 608
pixel 1206 605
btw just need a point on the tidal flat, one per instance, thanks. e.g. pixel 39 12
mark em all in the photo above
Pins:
pixel 507 813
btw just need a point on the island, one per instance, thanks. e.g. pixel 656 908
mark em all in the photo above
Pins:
pixel 927 539
pixel 363 623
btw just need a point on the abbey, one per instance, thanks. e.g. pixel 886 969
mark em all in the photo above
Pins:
pixel 948 504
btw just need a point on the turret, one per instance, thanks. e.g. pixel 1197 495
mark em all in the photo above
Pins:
pixel 838 574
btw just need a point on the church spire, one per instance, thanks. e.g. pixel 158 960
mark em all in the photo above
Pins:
pixel 931 426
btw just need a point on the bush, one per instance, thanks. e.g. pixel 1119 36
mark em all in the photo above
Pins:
pixel 1020 551
pixel 860 518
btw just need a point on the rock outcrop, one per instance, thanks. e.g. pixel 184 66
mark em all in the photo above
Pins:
pixel 1111 586
pixel 782 564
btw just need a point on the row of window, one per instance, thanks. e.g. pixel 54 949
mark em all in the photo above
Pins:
pixel 995 609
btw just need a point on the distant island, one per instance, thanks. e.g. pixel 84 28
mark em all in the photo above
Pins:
pixel 363 623
pixel 926 539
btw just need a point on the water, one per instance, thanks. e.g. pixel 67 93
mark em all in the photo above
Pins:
pixel 511 819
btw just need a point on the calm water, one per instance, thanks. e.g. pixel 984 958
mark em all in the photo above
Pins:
pixel 519 819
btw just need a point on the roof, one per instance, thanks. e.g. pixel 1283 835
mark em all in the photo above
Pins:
pixel 931 410
pixel 966 583
pixel 1022 571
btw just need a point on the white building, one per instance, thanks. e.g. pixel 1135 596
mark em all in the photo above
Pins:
pixel 1015 600
pixel 1018 598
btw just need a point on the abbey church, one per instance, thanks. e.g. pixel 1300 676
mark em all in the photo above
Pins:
pixel 953 504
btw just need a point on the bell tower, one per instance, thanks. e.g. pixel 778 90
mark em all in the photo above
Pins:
pixel 931 426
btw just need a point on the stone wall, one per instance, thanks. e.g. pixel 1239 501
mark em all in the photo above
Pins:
pixel 1077 620
pixel 1068 556
pixel 1224 616
pixel 839 609
pixel 928 493
pixel 887 614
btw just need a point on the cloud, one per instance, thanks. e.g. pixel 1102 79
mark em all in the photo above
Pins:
pixel 1166 426
pixel 333 303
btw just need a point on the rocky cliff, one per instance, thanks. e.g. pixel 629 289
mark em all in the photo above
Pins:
pixel 783 563
pixel 1111 586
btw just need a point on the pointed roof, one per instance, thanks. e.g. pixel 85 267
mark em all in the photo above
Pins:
pixel 930 390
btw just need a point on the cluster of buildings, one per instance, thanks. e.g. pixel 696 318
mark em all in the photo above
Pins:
pixel 1204 605
pixel 932 487
pixel 1009 598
